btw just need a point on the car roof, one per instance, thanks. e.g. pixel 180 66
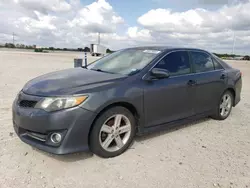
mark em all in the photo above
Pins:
pixel 164 48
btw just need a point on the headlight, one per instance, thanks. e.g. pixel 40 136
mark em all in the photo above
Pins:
pixel 59 103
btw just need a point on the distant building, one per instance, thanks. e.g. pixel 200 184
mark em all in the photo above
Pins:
pixel 38 47
pixel 238 58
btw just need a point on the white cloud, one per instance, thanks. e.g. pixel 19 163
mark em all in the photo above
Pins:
pixel 135 32
pixel 44 5
pixel 213 2
pixel 117 19
pixel 30 25
pixel 198 27
pixel 97 17
pixel 58 22
pixel 197 20
pixel 69 23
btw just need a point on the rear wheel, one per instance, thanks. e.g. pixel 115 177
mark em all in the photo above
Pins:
pixel 224 107
pixel 113 132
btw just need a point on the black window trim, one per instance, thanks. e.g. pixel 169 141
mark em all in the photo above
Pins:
pixel 190 62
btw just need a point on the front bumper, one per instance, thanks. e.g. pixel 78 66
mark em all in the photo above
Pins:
pixel 34 127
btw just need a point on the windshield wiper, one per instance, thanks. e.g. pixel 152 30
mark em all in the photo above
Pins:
pixel 84 67
pixel 100 70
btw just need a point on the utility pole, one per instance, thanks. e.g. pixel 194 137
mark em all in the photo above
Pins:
pixel 13 38
pixel 234 42
pixel 99 38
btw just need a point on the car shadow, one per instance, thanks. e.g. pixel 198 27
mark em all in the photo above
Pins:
pixel 67 157
pixel 86 155
pixel 74 157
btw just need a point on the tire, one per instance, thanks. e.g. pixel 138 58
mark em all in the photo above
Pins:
pixel 107 138
pixel 218 113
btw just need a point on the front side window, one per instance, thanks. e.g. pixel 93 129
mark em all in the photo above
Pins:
pixel 176 63
pixel 124 62
pixel 202 62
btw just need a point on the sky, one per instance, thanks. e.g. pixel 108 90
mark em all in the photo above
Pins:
pixel 208 24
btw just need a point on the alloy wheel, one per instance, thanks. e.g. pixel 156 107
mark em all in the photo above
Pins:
pixel 225 105
pixel 115 133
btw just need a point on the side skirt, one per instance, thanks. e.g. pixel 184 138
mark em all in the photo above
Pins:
pixel 146 130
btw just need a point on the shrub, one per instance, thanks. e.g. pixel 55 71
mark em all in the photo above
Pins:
pixel 38 50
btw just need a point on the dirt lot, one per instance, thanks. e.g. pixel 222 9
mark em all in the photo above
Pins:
pixel 207 153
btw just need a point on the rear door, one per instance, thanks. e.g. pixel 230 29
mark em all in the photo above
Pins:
pixel 211 81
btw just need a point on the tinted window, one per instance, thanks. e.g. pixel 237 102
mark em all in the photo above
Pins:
pixel 222 63
pixel 176 63
pixel 202 62
pixel 217 65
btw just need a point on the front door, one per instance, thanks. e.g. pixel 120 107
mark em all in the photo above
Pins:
pixel 170 99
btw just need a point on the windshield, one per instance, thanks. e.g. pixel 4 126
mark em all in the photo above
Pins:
pixel 124 62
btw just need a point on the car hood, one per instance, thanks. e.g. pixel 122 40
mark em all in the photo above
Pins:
pixel 69 82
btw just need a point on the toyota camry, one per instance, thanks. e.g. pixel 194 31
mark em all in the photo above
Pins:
pixel 102 106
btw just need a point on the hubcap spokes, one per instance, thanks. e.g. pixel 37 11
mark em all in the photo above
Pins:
pixel 225 105
pixel 115 132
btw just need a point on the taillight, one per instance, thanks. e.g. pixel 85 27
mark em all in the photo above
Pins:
pixel 239 74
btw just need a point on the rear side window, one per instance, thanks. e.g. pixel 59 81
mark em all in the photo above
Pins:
pixel 222 63
pixel 217 65
pixel 202 62
pixel 177 63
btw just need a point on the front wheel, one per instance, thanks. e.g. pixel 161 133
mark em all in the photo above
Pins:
pixel 112 132
pixel 224 107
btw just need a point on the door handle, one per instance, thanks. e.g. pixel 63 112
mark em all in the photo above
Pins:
pixel 223 76
pixel 191 82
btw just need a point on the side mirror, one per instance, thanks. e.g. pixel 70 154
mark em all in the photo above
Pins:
pixel 159 73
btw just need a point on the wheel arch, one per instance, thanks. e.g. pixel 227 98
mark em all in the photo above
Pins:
pixel 232 90
pixel 124 104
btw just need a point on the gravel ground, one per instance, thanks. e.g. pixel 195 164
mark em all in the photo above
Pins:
pixel 206 153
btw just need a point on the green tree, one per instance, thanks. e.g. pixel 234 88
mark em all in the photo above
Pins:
pixel 9 45
pixel 86 49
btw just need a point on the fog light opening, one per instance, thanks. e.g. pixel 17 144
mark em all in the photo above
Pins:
pixel 56 138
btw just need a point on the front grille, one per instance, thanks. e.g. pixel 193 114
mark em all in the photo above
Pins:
pixel 27 103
